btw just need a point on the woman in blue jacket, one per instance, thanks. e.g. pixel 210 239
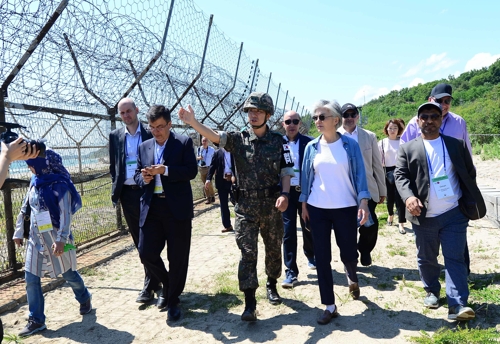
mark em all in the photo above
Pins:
pixel 334 194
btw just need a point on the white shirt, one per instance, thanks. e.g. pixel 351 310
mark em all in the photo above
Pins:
pixel 434 151
pixel 331 188
pixel 207 154
pixel 353 135
pixel 389 150
pixel 132 142
pixel 294 152
pixel 227 162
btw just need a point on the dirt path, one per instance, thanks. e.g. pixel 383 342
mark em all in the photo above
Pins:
pixel 389 310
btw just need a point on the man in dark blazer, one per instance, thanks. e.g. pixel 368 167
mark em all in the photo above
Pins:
pixel 433 173
pixel 222 166
pixel 123 147
pixel 296 143
pixel 165 166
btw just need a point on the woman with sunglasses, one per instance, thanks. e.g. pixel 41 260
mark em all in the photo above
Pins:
pixel 389 150
pixel 333 166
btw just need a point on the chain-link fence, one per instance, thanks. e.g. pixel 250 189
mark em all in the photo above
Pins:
pixel 65 65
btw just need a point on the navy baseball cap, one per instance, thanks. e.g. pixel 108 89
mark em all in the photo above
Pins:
pixel 441 90
pixel 429 105
pixel 349 106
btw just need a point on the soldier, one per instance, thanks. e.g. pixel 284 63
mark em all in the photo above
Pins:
pixel 261 160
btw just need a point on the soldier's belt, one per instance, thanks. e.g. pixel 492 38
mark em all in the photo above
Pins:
pixel 260 192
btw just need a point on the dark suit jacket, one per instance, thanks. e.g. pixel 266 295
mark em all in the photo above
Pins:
pixel 117 159
pixel 181 161
pixel 412 173
pixel 217 167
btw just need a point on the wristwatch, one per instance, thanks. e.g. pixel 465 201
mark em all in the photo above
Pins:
pixel 285 194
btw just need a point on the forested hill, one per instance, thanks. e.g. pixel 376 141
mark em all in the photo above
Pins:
pixel 476 97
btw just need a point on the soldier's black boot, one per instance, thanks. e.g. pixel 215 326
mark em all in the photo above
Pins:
pixel 272 293
pixel 250 306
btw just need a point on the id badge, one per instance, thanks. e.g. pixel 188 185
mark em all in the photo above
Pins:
pixel 158 185
pixel 131 167
pixel 43 221
pixel 294 181
pixel 443 187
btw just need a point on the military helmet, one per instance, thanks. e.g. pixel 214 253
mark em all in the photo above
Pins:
pixel 259 100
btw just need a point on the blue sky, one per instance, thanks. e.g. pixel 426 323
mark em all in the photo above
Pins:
pixel 356 50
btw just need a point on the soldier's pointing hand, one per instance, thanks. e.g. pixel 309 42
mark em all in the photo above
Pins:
pixel 186 115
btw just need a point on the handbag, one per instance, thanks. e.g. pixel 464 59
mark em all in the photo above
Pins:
pixel 390 177
pixel 27 220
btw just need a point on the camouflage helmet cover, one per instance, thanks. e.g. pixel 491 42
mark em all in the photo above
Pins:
pixel 259 100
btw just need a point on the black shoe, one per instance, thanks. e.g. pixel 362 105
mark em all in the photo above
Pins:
pixel 174 313
pixel 145 296
pixel 162 299
pixel 366 258
pixel 272 293
pixel 250 304
pixel 86 307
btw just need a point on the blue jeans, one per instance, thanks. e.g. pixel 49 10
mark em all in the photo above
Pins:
pixel 35 294
pixel 450 231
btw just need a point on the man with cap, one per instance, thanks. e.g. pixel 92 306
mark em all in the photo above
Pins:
pixel 262 161
pixel 375 177
pixel 432 173
pixel 296 144
pixel 452 125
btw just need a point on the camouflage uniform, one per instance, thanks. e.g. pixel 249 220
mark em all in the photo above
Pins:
pixel 260 163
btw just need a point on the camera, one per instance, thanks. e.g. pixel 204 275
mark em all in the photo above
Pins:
pixel 9 136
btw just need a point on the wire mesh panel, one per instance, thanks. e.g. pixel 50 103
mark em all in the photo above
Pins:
pixel 64 66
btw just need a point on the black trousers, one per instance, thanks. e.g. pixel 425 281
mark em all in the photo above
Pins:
pixel 130 201
pixel 224 204
pixel 368 235
pixel 160 227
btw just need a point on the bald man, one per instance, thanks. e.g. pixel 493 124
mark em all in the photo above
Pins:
pixel 123 147
pixel 296 142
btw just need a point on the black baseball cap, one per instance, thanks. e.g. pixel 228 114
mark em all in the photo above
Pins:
pixel 349 106
pixel 441 90
pixel 429 105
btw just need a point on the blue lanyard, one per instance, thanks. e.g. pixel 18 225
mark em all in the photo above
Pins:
pixel 159 153
pixel 137 148
pixel 429 160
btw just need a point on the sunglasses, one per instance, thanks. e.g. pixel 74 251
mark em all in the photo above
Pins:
pixel 320 117
pixel 294 121
pixel 446 101
pixel 351 114
pixel 433 117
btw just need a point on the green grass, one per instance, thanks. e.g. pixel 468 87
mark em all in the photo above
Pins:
pixel 393 250
pixel 458 336
pixel 12 338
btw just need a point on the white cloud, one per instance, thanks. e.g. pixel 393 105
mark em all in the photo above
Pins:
pixel 433 63
pixel 444 11
pixel 367 93
pixel 457 74
pixel 480 60
pixel 396 87
pixel 415 82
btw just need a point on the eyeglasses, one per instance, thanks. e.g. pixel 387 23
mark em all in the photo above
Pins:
pixel 157 128
pixel 294 121
pixel 350 114
pixel 320 117
pixel 433 117
pixel 446 101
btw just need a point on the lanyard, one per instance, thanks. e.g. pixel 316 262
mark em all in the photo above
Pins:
pixel 137 148
pixel 159 151
pixel 429 160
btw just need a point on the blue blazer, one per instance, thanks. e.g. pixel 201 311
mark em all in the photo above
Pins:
pixel 181 161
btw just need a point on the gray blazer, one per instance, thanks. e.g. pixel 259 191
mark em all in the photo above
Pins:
pixel 375 175
pixel 412 173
